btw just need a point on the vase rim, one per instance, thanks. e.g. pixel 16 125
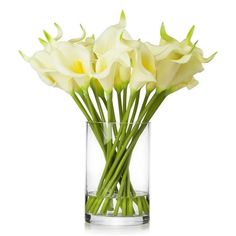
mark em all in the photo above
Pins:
pixel 117 122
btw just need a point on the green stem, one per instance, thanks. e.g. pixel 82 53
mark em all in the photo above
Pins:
pixel 92 109
pixel 124 199
pixel 120 106
pixel 124 145
pixel 124 99
pixel 80 105
pixel 129 200
pixel 116 170
pixel 94 123
pixel 135 133
pixel 140 207
pixel 120 193
pixel 145 100
pixel 144 206
pixel 99 106
pixel 108 163
pixel 112 175
pixel 104 101
pixel 97 203
pixel 89 119
pixel 109 125
pixel 114 120
pixel 134 113
pixel 125 124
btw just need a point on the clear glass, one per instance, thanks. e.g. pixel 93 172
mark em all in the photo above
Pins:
pixel 117 173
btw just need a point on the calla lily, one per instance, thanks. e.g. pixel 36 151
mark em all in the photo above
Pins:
pixel 61 81
pixel 144 70
pixel 42 62
pixel 96 86
pixel 122 77
pixel 181 76
pixel 187 69
pixel 110 38
pixel 177 62
pixel 106 78
pixel 169 45
pixel 108 64
pixel 73 60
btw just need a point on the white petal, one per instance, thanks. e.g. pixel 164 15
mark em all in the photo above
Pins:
pixel 61 81
pixel 124 73
pixel 41 61
pixel 47 79
pixel 72 52
pixel 107 66
pixel 146 60
pixel 144 68
pixel 114 55
pixel 83 81
pixel 163 51
pixel 122 77
pixel 73 60
pixel 184 59
pixel 192 83
pixel 107 77
pixel 110 38
pixel 139 79
pixel 166 71
pixel 187 71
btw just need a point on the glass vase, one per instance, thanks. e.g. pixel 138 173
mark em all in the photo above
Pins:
pixel 117 173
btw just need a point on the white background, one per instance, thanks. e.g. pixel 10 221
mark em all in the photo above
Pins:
pixel 42 132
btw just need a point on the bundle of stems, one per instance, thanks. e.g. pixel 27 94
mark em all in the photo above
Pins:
pixel 122 134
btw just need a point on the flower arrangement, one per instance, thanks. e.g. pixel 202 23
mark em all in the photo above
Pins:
pixel 107 77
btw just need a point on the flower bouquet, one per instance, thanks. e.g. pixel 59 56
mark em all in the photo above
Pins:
pixel 118 83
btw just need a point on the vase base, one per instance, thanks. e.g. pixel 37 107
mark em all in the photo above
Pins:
pixel 116 220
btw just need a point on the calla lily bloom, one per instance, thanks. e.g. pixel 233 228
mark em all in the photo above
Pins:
pixel 73 60
pixel 144 69
pixel 177 62
pixel 110 38
pixel 108 64
pixel 42 62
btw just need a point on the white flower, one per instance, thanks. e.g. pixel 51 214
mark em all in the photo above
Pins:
pixel 122 77
pixel 144 69
pixel 110 38
pixel 177 62
pixel 114 60
pixel 42 62
pixel 107 66
pixel 73 60
pixel 112 67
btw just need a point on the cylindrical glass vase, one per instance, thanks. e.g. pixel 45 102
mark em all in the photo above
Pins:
pixel 117 173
